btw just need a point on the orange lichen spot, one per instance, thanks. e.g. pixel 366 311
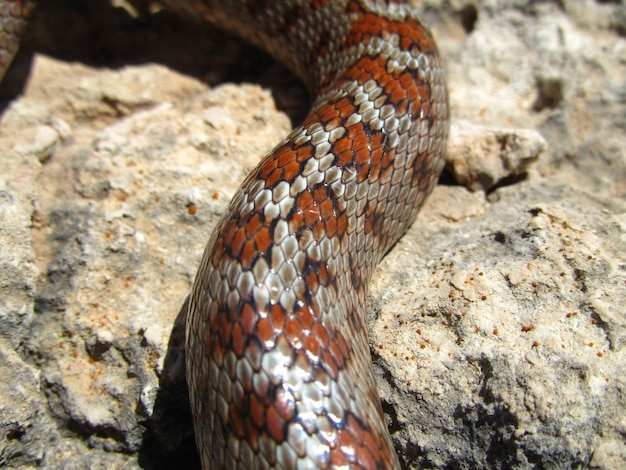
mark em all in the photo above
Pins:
pixel 161 261
pixel 591 344
pixel 495 331
pixel 527 328
pixel 215 195
pixel 571 314
pixel 600 354
pixel 483 297
pixel 191 208
pixel 122 197
pixel 536 344
pixel 74 354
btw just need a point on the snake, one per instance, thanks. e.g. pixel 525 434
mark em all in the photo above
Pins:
pixel 277 352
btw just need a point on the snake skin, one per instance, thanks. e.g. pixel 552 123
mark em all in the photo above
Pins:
pixel 278 361
pixel 13 17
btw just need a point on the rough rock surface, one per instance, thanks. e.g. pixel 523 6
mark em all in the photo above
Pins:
pixel 498 323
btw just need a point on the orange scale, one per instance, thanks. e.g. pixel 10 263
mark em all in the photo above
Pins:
pixel 369 225
pixel 263 239
pixel 338 458
pixel 218 354
pixel 277 317
pixel 248 255
pixel 347 442
pixel 236 243
pixel 359 141
pixel 397 95
pixel 218 252
pixel 406 80
pixel 293 333
pixel 342 224
pixel 338 356
pixel 285 158
pixel 313 282
pixel 362 158
pixel 372 442
pixel 345 158
pixel 256 411
pixel 423 92
pixel 296 222
pixel 365 459
pixel 309 120
pixel 275 425
pixel 388 158
pixel 342 145
pixel 274 178
pixel 327 210
pixel 225 327
pixel 304 200
pixel 230 230
pixel 238 340
pixel 343 103
pixel 334 122
pixel 377 156
pixel 319 230
pixel 321 333
pixel 368 64
pixel 235 421
pixel 265 332
pixel 356 431
pixel 248 318
pixel 377 140
pixel 253 225
pixel 387 83
pixel 327 113
pixel 363 174
pixel 401 107
pixel 291 171
pixel 306 318
pixel 252 436
pixel 331 226
pixel 343 346
pixel 330 366
pixel 311 216
pixel 312 349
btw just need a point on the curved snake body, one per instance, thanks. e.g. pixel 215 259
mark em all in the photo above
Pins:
pixel 278 363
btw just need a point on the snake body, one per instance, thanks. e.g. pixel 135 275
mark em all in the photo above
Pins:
pixel 278 362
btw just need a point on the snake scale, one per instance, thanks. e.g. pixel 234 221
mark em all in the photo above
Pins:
pixel 278 361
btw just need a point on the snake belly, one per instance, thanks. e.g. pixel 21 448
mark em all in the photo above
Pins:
pixel 278 361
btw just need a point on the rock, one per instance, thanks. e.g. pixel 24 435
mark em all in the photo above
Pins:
pixel 497 324
pixel 481 158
